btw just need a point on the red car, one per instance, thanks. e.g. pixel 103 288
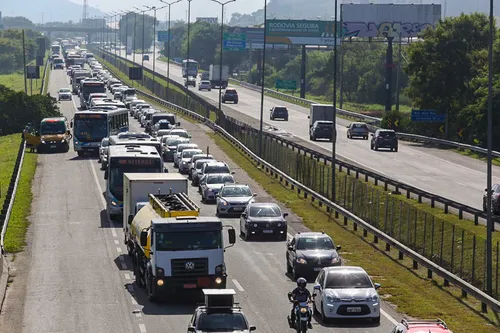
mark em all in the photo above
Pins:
pixel 419 326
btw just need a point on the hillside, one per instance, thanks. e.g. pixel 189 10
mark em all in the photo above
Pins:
pixel 295 9
pixel 53 10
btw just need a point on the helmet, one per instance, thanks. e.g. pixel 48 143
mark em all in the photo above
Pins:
pixel 301 283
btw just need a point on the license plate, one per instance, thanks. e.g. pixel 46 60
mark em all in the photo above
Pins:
pixel 354 309
pixel 238 209
pixel 317 269
pixel 268 231
pixel 190 286
pixel 53 146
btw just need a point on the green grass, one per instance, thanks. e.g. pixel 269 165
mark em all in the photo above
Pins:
pixel 15 81
pixel 407 289
pixel 9 146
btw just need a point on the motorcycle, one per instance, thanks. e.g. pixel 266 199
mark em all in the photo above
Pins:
pixel 302 313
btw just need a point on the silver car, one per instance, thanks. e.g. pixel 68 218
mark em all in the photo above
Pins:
pixel 64 93
pixel 211 184
pixel 205 85
pixel 103 152
pixel 169 146
pixel 192 162
pixel 233 199
pixel 180 148
pixel 358 129
pixel 185 158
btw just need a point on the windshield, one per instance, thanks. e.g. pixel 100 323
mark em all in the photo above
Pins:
pixel 216 169
pixel 174 142
pixel 222 322
pixel 348 280
pixel 190 153
pixel 236 192
pixel 52 127
pixel 200 163
pixel 64 91
pixel 182 148
pixel 359 126
pixel 117 170
pixel 267 211
pixel 90 130
pixel 170 118
pixel 189 240
pixel 164 125
pixel 219 179
pixel 182 134
pixel 387 134
pixel 314 243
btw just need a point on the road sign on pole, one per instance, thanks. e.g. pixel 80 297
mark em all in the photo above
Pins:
pixel 234 42
pixel 286 84
pixel 427 116
pixel 163 36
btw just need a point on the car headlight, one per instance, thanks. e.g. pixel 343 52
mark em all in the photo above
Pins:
pixel 42 141
pixel 335 260
pixel 330 299
pixel 373 298
pixel 301 261
pixel 63 141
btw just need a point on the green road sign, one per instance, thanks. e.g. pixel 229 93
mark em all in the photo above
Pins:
pixel 302 32
pixel 286 84
pixel 234 42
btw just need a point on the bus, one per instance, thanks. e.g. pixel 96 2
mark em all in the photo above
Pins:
pixel 55 48
pixel 99 103
pixel 87 87
pixel 189 68
pixel 90 127
pixel 122 139
pixel 127 159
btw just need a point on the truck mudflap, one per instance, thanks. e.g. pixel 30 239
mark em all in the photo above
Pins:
pixel 172 285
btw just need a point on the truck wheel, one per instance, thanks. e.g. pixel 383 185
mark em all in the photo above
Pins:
pixel 150 287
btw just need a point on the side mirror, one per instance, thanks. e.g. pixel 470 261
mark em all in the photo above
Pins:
pixel 371 135
pixel 377 285
pixel 317 287
pixel 191 329
pixel 244 215
pixel 106 174
pixel 144 238
pixel 255 194
pixel 252 328
pixel 130 219
pixel 232 236
pixel 232 172
pixel 339 247
pixel 270 109
pixel 179 123
pixel 285 214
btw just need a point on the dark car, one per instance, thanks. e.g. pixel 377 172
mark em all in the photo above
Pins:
pixel 359 130
pixel 145 57
pixel 384 138
pixel 307 253
pixel 263 219
pixel 495 199
pixel 230 95
pixel 279 112
pixel 321 129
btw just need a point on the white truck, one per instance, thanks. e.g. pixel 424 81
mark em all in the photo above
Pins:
pixel 136 190
pixel 175 250
pixel 78 76
pixel 214 76
pixel 320 112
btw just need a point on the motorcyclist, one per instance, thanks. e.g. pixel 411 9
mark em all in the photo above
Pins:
pixel 300 294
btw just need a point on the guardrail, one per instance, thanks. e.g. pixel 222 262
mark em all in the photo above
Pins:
pixel 411 191
pixel 432 268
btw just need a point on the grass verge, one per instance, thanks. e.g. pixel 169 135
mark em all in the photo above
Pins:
pixel 408 290
pixel 9 146
pixel 15 237
pixel 15 81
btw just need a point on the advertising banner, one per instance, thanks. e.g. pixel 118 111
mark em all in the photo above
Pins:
pixel 302 32
pixel 388 20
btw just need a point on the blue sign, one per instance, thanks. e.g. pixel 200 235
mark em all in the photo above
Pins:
pixel 234 42
pixel 427 116
pixel 163 36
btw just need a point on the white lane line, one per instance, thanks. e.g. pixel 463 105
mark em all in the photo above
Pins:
pixel 388 316
pixel 119 250
pixel 142 327
pixel 459 183
pixel 134 301
pixel 127 276
pixel 73 222
pixel 138 314
pixel 117 242
pixel 238 285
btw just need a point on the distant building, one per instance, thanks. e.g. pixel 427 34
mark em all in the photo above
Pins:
pixel 211 20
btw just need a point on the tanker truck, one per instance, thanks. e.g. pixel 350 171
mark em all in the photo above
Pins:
pixel 175 250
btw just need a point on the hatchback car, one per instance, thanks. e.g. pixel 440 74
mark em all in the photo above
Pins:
pixel 384 138
pixel 279 112
pixel 185 158
pixel 233 199
pixel 419 326
pixel 196 170
pixel 211 184
pixel 169 146
pixel 263 219
pixel 64 94
pixel 230 95
pixel 346 292
pixel 192 162
pixel 180 148
pixel 145 57
pixel 358 129
pixel 321 129
pixel 205 85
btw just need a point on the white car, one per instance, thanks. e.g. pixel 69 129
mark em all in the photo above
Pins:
pixel 185 158
pixel 205 85
pixel 64 93
pixel 180 148
pixel 346 292
pixel 211 184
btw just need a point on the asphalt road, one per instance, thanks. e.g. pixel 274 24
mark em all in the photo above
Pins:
pixel 445 173
pixel 78 278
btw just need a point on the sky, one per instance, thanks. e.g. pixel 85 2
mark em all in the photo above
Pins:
pixel 199 8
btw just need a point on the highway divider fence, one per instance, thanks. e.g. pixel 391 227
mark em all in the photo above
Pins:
pixel 451 248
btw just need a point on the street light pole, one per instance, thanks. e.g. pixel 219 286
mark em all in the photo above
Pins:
pixel 126 32
pixel 262 88
pixel 334 118
pixel 222 4
pixel 133 42
pixel 143 19
pixel 154 45
pixel 168 44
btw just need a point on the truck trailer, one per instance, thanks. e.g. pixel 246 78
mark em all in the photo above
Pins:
pixel 215 79
pixel 320 112
pixel 174 250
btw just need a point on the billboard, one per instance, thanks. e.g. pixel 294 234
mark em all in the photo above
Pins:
pixel 388 20
pixel 255 38
pixel 302 32
pixel 211 20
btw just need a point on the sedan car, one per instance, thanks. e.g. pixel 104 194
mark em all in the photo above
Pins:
pixel 185 158
pixel 196 171
pixel 346 292
pixel 211 184
pixel 358 129
pixel 265 219
pixel 169 146
pixel 64 94
pixel 205 85
pixel 321 129
pixel 180 148
pixel 279 112
pixel 307 253
pixel 180 132
pixel 233 199
pixel 384 138
pixel 194 158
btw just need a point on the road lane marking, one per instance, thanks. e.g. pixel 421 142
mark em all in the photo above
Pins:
pixel 388 316
pixel 127 276
pixel 142 328
pixel 238 285
pixel 459 183
pixel 119 250
pixel 138 314
pixel 117 242
pixel 134 301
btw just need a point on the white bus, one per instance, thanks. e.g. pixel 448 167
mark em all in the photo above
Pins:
pixel 189 68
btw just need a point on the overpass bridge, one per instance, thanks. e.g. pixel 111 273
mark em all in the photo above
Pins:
pixel 88 31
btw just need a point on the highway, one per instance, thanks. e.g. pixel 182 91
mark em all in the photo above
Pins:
pixel 75 275
pixel 442 172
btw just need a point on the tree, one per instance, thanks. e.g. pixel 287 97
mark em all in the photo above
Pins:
pixel 203 39
pixel 126 25
pixel 17 22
